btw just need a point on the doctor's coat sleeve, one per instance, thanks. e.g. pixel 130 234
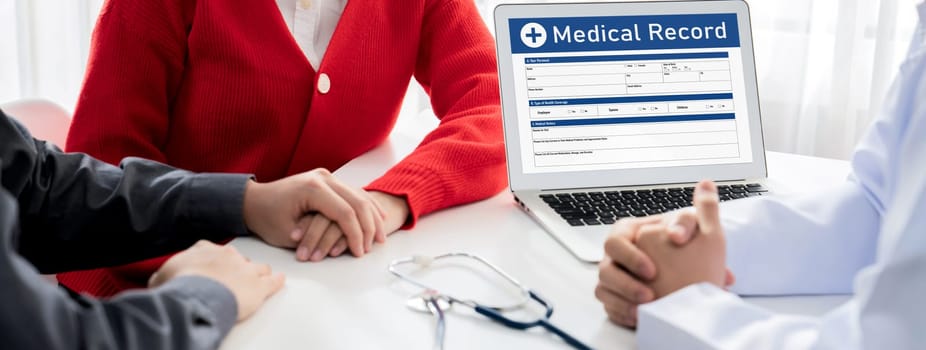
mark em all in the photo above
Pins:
pixel 872 228
pixel 62 212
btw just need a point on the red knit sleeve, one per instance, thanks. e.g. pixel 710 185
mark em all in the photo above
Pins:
pixel 135 66
pixel 463 159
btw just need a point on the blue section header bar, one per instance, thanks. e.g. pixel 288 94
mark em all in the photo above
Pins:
pixel 630 99
pixel 603 121
pixel 677 56
pixel 574 34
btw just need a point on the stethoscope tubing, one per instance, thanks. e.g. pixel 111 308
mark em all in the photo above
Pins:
pixel 542 322
pixel 525 292
pixel 493 313
pixel 441 328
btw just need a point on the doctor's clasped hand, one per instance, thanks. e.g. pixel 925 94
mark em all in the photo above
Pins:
pixel 864 236
pixel 651 257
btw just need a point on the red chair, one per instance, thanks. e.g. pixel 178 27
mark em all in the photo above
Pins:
pixel 45 120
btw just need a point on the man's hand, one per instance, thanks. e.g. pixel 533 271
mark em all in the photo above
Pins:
pixel 701 259
pixel 626 271
pixel 277 211
pixel 249 282
pixel 322 237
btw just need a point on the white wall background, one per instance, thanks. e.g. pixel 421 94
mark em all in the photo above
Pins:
pixel 823 65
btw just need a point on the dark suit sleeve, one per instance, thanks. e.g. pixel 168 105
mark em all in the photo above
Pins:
pixel 68 211
pixel 185 313
pixel 81 213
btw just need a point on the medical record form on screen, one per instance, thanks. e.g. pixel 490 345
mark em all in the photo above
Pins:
pixel 623 92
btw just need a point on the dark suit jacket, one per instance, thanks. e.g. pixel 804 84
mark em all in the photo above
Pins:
pixel 62 212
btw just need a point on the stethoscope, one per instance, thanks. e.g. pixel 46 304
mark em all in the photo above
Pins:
pixel 436 303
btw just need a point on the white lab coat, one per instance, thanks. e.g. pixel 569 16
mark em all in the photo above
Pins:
pixel 867 236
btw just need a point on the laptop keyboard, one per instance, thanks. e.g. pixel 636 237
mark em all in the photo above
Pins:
pixel 597 208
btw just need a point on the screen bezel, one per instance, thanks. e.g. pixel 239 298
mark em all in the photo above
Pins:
pixel 518 180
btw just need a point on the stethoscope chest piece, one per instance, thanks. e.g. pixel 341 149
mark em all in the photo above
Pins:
pixel 424 302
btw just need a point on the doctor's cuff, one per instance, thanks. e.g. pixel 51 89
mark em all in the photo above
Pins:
pixel 692 317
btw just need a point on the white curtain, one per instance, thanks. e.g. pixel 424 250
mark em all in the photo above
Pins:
pixel 44 48
pixel 823 65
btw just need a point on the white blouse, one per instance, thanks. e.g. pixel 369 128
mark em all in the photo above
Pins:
pixel 312 23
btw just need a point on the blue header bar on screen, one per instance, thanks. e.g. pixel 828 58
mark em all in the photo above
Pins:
pixel 630 99
pixel 584 59
pixel 574 34
pixel 631 120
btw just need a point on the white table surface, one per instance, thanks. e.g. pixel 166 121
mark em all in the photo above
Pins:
pixel 350 303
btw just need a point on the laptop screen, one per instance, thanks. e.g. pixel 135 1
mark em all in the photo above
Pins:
pixel 626 92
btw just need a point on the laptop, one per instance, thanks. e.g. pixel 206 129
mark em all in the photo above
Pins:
pixel 616 110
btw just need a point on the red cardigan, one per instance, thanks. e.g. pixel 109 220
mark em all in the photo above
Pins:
pixel 221 86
